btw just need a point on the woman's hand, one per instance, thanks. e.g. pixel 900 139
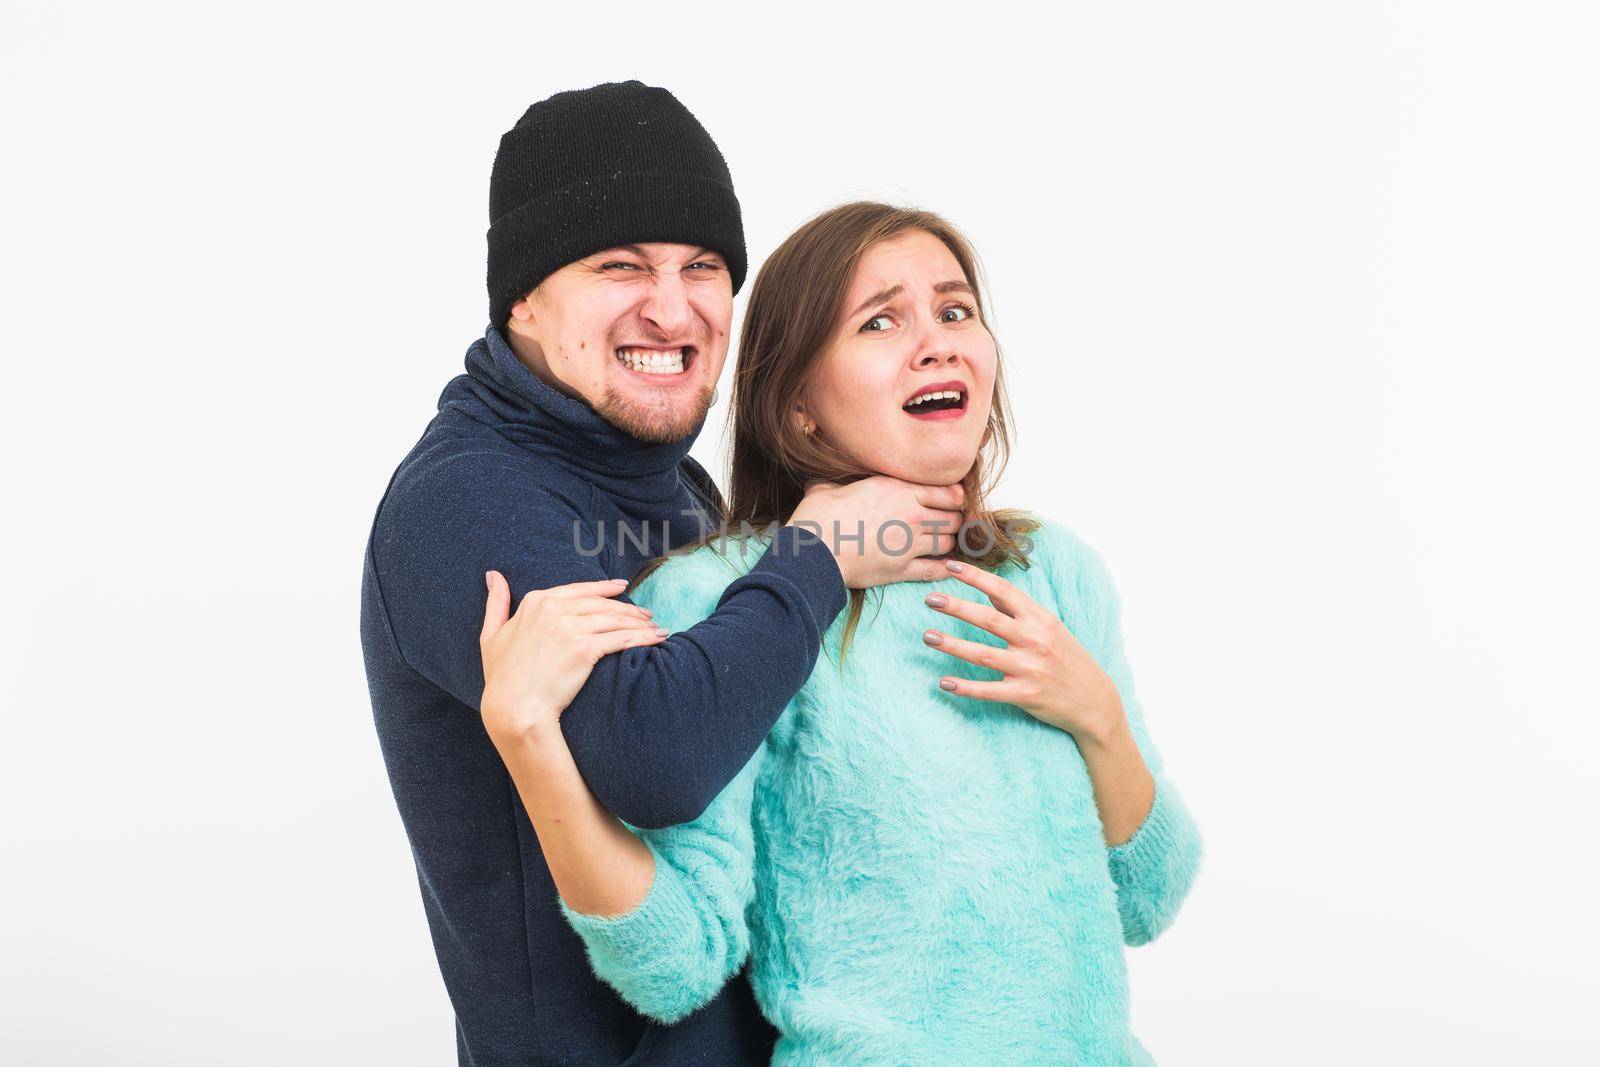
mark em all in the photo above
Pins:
pixel 1047 672
pixel 534 662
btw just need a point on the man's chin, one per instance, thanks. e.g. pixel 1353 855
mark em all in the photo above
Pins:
pixel 655 424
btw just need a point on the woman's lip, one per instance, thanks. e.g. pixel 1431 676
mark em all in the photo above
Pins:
pixel 939 387
pixel 945 413
pixel 938 413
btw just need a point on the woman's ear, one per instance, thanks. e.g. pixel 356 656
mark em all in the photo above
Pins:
pixel 803 420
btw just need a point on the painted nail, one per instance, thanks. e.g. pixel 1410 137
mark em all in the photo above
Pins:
pixel 936 600
pixel 946 684
pixel 932 637
pixel 955 566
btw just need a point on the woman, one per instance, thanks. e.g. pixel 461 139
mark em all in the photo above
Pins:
pixel 943 846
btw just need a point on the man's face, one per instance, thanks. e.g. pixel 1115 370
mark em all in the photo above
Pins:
pixel 640 332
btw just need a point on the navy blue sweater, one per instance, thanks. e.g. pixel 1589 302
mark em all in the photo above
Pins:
pixel 500 479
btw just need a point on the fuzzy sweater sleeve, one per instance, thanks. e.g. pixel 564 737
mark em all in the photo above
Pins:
pixel 674 951
pixel 1156 867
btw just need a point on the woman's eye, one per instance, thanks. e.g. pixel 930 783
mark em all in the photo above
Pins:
pixel 867 326
pixel 962 312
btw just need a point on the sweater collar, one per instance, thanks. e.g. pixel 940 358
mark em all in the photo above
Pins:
pixel 500 391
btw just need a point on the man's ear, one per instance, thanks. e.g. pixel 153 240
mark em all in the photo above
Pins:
pixel 524 319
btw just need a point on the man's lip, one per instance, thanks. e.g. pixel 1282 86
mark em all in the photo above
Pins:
pixel 691 357
pixel 689 351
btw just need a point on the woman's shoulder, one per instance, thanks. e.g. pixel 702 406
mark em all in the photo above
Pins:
pixel 1064 558
pixel 1043 541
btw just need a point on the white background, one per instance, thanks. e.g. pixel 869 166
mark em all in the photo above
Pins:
pixel 1299 308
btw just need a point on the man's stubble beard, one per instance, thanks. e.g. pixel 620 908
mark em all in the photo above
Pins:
pixel 660 424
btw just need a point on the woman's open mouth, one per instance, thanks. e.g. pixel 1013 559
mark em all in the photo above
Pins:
pixel 656 362
pixel 941 400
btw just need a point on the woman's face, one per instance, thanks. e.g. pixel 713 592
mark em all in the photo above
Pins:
pixel 911 329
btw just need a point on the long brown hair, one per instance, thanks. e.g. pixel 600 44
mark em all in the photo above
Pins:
pixel 795 306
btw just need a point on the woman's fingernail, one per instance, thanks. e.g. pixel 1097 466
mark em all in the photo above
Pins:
pixel 661 631
pixel 955 566
pixel 932 637
pixel 488 579
pixel 936 600
pixel 946 684
pixel 619 581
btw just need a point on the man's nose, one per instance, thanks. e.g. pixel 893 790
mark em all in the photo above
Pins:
pixel 667 306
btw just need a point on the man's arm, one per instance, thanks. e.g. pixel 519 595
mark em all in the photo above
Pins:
pixel 657 732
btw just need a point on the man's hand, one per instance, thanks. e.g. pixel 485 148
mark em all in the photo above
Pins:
pixel 900 524
pixel 534 662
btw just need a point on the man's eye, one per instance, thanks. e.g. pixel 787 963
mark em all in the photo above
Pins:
pixel 627 266
pixel 867 326
pixel 705 264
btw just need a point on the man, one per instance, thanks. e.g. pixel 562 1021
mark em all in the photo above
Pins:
pixel 615 248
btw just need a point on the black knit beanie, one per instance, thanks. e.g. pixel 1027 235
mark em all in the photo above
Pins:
pixel 581 171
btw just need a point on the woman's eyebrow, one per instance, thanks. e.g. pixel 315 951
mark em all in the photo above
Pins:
pixel 893 291
pixel 878 298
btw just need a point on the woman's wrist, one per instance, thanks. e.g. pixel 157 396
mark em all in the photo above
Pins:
pixel 518 727
pixel 1109 728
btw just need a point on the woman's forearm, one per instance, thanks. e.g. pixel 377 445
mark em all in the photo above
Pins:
pixel 599 866
pixel 1124 788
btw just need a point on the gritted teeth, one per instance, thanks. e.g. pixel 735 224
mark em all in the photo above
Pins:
pixel 943 396
pixel 655 360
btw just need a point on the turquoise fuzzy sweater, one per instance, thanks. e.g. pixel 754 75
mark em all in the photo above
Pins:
pixel 915 877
